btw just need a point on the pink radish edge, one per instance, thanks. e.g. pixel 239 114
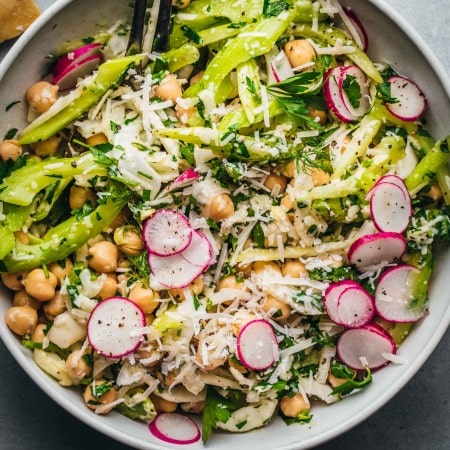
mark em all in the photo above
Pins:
pixel 180 270
pixel 167 232
pixel 359 27
pixel 331 297
pixel 257 345
pixel 389 178
pixel 361 79
pixel 390 208
pixel 333 95
pixel 74 57
pixel 355 307
pixel 411 100
pixel 110 326
pixel 394 293
pixel 68 78
pixel 175 428
pixel 370 342
pixel 373 249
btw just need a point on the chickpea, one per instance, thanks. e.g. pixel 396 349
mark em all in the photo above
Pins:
pixel 103 257
pixel 221 207
pixel 196 287
pixel 181 4
pixel 96 139
pixel 169 89
pixel 287 203
pixel 193 407
pixel 294 268
pixel 10 149
pixel 38 334
pixel 168 379
pixel 163 405
pixel 276 183
pixel 196 78
pixel 61 269
pixel 93 402
pixel 47 148
pixel 244 270
pixel 335 381
pixel 145 298
pixel 145 353
pixel 41 96
pixel 78 196
pixel 230 282
pixel 22 298
pixel 279 310
pixel 40 284
pixel 435 192
pixel 261 266
pixel 21 319
pixel 22 237
pixel 55 306
pixel 76 366
pixel 319 177
pixel 129 240
pixel 299 52
pixel 212 362
pixel 293 406
pixel 184 114
pixel 13 281
pixel 109 287
pixel 120 220
pixel 319 115
pixel 290 169
pixel 241 321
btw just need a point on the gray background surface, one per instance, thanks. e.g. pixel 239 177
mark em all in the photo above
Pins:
pixel 417 418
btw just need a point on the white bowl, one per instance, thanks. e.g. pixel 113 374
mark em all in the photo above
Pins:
pixel 392 42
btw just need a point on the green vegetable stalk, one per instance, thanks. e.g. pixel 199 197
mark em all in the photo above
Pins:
pixel 429 165
pixel 109 74
pixel 60 241
pixel 23 184
pixel 254 40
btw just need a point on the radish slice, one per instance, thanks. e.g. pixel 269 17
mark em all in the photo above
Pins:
pixel 360 78
pixel 396 293
pixel 185 179
pixel 167 232
pixel 200 252
pixel 358 28
pixel 390 208
pixel 390 178
pixel 175 428
pixel 411 100
pixel 333 95
pixel 355 307
pixel 180 270
pixel 331 297
pixel 367 343
pixel 74 57
pixel 68 78
pixel 257 345
pixel 278 67
pixel 111 324
pixel 373 249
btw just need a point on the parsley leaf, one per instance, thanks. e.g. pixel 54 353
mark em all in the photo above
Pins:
pixel 352 90
pixel 384 93
pixel 273 8
pixel 191 34
pixel 352 383
pixel 217 409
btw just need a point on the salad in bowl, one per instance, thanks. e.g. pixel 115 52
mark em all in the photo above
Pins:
pixel 237 228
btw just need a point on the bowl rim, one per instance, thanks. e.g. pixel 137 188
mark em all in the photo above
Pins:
pixel 21 355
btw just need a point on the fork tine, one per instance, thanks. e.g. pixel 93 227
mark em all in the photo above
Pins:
pixel 137 28
pixel 161 41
